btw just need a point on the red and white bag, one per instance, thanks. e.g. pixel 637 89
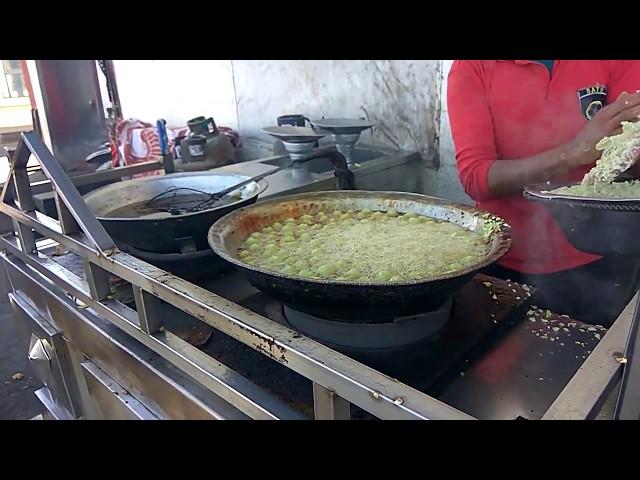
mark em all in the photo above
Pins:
pixel 138 142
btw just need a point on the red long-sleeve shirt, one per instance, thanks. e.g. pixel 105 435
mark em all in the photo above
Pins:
pixel 506 109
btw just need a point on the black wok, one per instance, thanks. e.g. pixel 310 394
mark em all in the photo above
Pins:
pixel 354 301
pixel 173 233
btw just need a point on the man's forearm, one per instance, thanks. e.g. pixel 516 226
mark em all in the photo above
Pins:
pixel 511 176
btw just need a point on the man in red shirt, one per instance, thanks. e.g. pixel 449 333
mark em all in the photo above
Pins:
pixel 516 123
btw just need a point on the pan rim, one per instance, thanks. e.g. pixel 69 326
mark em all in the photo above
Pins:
pixel 502 237
pixel 537 192
pixel 261 184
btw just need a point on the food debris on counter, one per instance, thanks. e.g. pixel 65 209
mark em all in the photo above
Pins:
pixel 556 328
pixel 520 291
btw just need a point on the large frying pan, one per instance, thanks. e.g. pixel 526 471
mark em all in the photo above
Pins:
pixel 354 301
pixel 166 235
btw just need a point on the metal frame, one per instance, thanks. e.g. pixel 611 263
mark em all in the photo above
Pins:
pixel 110 175
pixel 338 380
pixel 594 382
pixel 124 359
pixel 628 401
pixel 337 373
pixel 50 347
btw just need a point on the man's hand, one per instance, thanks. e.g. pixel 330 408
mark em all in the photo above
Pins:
pixel 582 151
pixel 510 176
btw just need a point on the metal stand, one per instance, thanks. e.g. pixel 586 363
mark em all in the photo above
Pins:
pixel 329 406
pixel 347 380
pixel 628 403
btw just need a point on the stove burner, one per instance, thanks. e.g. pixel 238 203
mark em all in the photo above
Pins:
pixel 345 132
pixel 299 140
pixel 296 150
pixel 369 337
pixel 294 134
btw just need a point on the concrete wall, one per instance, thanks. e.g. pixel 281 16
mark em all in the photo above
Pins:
pixel 400 96
pixel 444 182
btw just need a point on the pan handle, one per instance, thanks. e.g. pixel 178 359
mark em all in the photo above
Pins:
pixel 345 179
pixel 256 178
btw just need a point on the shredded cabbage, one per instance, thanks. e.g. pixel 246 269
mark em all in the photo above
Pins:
pixel 618 154
pixel 629 190
pixel 366 246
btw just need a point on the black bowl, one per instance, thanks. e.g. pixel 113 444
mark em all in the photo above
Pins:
pixel 593 225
